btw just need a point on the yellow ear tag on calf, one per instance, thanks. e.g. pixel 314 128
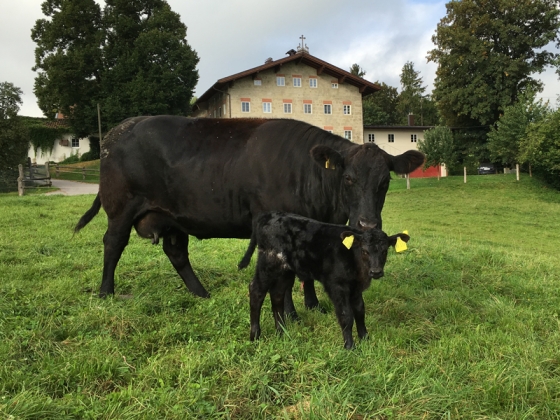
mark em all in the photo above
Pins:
pixel 348 241
pixel 400 246
pixel 327 163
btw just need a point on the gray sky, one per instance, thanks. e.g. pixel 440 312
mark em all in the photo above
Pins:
pixel 234 35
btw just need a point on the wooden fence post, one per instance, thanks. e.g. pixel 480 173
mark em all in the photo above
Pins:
pixel 20 180
pixel 517 170
pixel 57 170
pixel 407 181
pixel 48 173
pixel 465 174
pixel 84 172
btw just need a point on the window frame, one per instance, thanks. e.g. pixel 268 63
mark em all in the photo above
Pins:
pixel 345 108
pixel 294 82
pixel 313 82
pixel 390 138
pixel 287 105
pixel 334 85
pixel 257 82
pixel 329 107
pixel 281 81
pixel 267 107
pixel 310 108
pixel 77 144
pixel 348 134
pixel 413 138
pixel 371 137
pixel 243 103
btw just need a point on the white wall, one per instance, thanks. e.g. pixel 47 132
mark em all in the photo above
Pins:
pixel 59 151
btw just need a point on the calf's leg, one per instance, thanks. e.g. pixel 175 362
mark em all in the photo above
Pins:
pixel 289 308
pixel 340 297
pixel 359 310
pixel 176 247
pixel 282 283
pixel 257 293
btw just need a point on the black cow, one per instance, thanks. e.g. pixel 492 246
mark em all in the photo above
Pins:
pixel 171 177
pixel 291 245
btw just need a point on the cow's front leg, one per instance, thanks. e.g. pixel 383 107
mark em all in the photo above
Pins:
pixel 176 247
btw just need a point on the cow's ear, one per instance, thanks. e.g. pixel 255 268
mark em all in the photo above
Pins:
pixel 393 239
pixel 350 239
pixel 326 157
pixel 405 163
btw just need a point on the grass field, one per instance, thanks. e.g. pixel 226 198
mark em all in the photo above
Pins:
pixel 465 324
pixel 76 174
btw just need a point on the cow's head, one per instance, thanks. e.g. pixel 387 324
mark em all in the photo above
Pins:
pixel 371 249
pixel 364 175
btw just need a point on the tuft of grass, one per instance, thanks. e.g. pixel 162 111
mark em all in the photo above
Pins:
pixel 465 324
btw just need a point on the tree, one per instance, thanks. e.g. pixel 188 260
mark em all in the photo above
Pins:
pixel 380 108
pixel 505 138
pixel 542 148
pixel 438 147
pixel 14 138
pixel 412 91
pixel 486 52
pixel 132 58
pixel 356 70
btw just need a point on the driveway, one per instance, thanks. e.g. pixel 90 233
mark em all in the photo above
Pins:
pixel 73 187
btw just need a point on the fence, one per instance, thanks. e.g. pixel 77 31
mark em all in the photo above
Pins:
pixel 75 170
pixel 33 176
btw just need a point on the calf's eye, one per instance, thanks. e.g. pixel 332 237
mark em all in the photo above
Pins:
pixel 348 179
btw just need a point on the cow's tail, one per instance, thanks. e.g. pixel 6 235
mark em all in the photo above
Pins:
pixel 249 253
pixel 90 214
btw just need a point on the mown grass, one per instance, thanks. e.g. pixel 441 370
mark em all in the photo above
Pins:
pixel 463 325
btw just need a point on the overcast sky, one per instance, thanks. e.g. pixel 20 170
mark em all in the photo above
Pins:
pixel 234 35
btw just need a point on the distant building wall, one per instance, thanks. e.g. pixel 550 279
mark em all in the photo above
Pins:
pixel 63 148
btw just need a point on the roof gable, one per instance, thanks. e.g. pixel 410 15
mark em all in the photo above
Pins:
pixel 365 87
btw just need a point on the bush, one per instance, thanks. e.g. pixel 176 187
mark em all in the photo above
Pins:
pixel 71 159
pixel 87 156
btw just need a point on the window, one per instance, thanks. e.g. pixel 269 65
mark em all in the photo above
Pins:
pixel 225 110
pixel 287 108
pixel 267 107
pixel 297 81
pixel 328 108
pixel 413 138
pixel 348 134
pixel 391 138
pixel 258 82
pixel 307 108
pixel 313 83
pixel 334 85
pixel 75 142
pixel 280 81
pixel 347 109
pixel 371 138
pixel 245 106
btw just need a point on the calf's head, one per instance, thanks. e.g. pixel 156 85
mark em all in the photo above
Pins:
pixel 371 249
pixel 363 175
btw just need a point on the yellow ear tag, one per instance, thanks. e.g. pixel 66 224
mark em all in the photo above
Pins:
pixel 327 163
pixel 348 241
pixel 400 246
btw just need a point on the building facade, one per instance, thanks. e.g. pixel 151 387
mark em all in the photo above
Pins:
pixel 300 87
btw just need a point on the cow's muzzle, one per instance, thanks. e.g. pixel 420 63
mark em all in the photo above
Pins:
pixel 366 224
pixel 376 274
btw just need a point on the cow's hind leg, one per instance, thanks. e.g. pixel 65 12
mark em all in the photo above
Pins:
pixel 176 247
pixel 115 240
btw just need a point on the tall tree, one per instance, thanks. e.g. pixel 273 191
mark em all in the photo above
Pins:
pixel 486 51
pixel 504 140
pixel 412 92
pixel 14 137
pixel 356 70
pixel 380 108
pixel 132 58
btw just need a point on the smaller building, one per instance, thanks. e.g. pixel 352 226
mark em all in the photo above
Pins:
pixel 63 147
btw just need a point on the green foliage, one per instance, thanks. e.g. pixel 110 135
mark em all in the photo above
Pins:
pixel 70 159
pixel 505 139
pixel 438 147
pixel 486 53
pixel 542 148
pixel 380 108
pixel 463 325
pixel 43 135
pixel 14 136
pixel 411 92
pixel 132 58
pixel 356 70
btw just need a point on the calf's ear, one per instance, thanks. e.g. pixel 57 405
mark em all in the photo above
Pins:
pixel 326 157
pixel 393 239
pixel 350 239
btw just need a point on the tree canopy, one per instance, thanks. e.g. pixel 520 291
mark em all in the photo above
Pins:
pixel 14 138
pixel 438 147
pixel 486 52
pixel 131 57
pixel 380 108
pixel 505 139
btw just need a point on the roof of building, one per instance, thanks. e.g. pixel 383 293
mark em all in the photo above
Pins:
pixel 365 87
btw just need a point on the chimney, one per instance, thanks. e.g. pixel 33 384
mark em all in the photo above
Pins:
pixel 411 119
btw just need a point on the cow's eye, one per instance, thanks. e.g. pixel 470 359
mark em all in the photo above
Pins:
pixel 365 252
pixel 348 179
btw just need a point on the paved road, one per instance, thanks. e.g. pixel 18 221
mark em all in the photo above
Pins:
pixel 73 187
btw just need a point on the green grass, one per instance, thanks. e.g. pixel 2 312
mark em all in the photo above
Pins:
pixel 465 324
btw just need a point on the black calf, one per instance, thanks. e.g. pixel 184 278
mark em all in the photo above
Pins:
pixel 342 258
